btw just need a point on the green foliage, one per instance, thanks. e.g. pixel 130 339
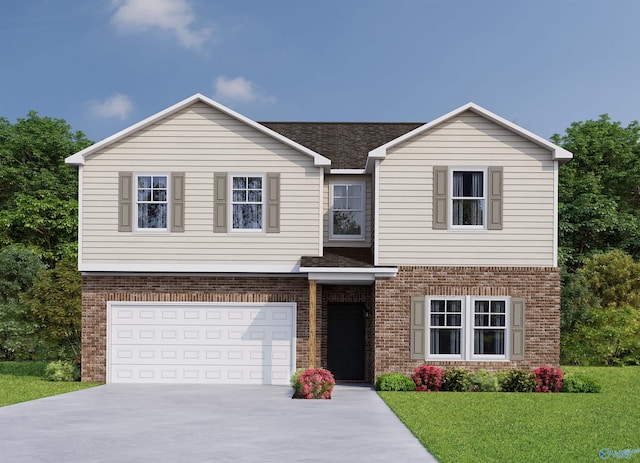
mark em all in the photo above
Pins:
pixel 55 303
pixel 484 381
pixel 395 382
pixel 60 370
pixel 526 428
pixel 456 380
pixel 600 315
pixel 18 270
pixel 24 368
pixel 577 383
pixel 517 380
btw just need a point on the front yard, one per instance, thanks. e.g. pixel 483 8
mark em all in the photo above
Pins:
pixel 528 427
pixel 23 381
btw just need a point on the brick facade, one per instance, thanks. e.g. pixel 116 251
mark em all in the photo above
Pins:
pixel 540 287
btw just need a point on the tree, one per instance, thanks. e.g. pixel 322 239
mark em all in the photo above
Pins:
pixel 601 311
pixel 19 269
pixel 55 303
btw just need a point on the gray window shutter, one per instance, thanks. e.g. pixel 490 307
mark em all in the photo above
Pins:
pixel 177 202
pixel 517 328
pixel 495 198
pixel 440 197
pixel 220 203
pixel 125 201
pixel 273 203
pixel 417 329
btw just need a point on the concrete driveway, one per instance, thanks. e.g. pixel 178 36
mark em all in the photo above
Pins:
pixel 165 423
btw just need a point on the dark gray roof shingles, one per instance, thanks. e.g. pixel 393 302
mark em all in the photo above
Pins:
pixel 347 144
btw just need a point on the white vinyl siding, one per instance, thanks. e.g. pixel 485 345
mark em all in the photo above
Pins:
pixel 345 179
pixel 406 233
pixel 200 141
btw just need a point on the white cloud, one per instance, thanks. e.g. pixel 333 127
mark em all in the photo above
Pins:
pixel 238 89
pixel 117 105
pixel 175 16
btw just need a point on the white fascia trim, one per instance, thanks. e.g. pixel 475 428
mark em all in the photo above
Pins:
pixel 348 171
pixel 557 152
pixel 188 268
pixel 349 273
pixel 79 157
pixel 555 213
pixel 80 202
pixel 321 216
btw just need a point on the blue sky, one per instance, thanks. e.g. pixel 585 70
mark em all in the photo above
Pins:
pixel 106 64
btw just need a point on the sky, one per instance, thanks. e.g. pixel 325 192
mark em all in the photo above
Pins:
pixel 103 65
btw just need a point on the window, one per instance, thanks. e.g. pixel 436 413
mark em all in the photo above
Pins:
pixel 347 210
pixel 152 202
pixel 468 199
pixel 467 328
pixel 247 203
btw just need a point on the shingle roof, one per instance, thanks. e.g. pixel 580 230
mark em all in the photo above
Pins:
pixel 345 143
pixel 340 257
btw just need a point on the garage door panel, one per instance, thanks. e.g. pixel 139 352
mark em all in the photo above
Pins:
pixel 201 343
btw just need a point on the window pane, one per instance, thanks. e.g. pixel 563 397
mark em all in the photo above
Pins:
pixel 467 211
pixel 347 223
pixel 454 320
pixel 355 191
pixel 454 306
pixel 497 320
pixel 340 203
pixel 247 216
pixel 239 195
pixel 354 203
pixel 144 182
pixel 437 320
pixel 482 306
pixel 497 306
pixel 255 196
pixel 438 306
pixel 239 182
pixel 255 183
pixel 340 191
pixel 144 195
pixel 160 182
pixel 488 342
pixel 445 341
pixel 481 320
pixel 159 195
pixel 152 215
pixel 468 184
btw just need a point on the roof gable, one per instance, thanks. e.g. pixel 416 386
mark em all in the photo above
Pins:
pixel 557 153
pixel 80 157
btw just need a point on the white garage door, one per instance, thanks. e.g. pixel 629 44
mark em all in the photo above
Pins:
pixel 224 343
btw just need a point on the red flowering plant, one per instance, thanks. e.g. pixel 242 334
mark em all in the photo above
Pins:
pixel 427 378
pixel 548 379
pixel 313 383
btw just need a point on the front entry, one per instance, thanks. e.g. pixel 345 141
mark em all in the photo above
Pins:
pixel 345 341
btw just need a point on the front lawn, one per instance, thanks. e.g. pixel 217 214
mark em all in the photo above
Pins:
pixel 527 427
pixel 23 381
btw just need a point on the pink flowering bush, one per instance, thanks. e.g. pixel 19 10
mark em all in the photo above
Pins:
pixel 548 379
pixel 427 378
pixel 313 383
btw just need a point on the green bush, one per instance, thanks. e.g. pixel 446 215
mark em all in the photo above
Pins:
pixel 61 370
pixel 395 382
pixel 483 381
pixel 579 383
pixel 26 368
pixel 517 380
pixel 456 380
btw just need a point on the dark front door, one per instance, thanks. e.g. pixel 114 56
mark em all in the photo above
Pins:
pixel 345 341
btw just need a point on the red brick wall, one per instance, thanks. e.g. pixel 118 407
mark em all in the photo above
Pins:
pixel 539 286
pixel 97 290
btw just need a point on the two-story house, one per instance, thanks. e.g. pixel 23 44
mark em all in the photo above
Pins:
pixel 218 249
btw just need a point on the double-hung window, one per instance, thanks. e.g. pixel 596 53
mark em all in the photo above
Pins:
pixel 152 202
pixel 467 328
pixel 468 199
pixel 347 211
pixel 247 202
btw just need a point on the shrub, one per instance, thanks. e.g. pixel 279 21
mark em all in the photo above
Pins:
pixel 579 383
pixel 483 381
pixel 548 379
pixel 395 382
pixel 518 380
pixel 61 370
pixel 427 378
pixel 456 380
pixel 313 383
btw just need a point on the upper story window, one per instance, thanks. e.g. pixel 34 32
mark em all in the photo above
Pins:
pixel 152 202
pixel 347 211
pixel 468 198
pixel 247 206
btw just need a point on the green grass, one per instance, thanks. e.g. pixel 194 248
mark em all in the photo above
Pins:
pixel 23 381
pixel 519 427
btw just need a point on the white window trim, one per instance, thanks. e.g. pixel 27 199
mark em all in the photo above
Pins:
pixel 361 236
pixel 135 208
pixel 485 176
pixel 466 339
pixel 230 202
